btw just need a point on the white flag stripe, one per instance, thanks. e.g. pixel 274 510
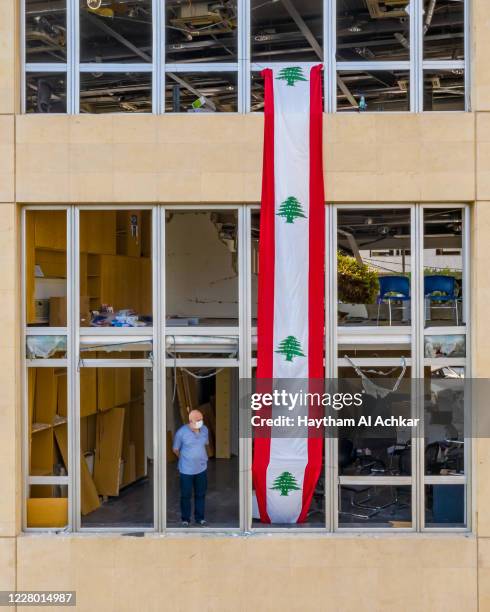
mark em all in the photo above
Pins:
pixel 291 171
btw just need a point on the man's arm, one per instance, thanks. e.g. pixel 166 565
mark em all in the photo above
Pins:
pixel 177 445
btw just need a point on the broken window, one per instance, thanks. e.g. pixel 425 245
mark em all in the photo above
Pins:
pixel 444 274
pixel 201 268
pixel 286 31
pixel 116 447
pixel 201 31
pixel 117 32
pixel 209 490
pixel 115 268
pixel 114 92
pixel 373 91
pixel 443 29
pixel 374 30
pixel 45 92
pixel 373 291
pixel 444 90
pixel 46 33
pixel 45 269
pixel 201 92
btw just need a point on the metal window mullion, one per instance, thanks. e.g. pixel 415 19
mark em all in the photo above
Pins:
pixel 159 405
pixel 329 366
pixel 25 381
pixel 373 65
pixel 203 331
pixel 159 66
pixel 74 378
pixel 75 57
pixel 244 57
pixel 46 363
pixel 416 56
pixel 329 54
pixel 108 67
pixel 467 54
pixel 469 446
pixel 334 488
pixel 49 480
pixel 202 67
pixel 115 363
pixel 23 57
pixel 156 84
pixel 442 64
pixel 45 67
pixel 160 419
pixel 244 248
pixel 419 471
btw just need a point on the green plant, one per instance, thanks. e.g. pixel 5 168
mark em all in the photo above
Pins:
pixel 357 283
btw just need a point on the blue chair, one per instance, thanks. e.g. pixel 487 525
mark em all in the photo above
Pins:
pixel 391 289
pixel 440 288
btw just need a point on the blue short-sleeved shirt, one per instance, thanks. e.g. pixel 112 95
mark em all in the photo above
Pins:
pixel 193 458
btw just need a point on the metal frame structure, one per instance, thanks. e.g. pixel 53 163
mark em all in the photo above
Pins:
pixel 77 337
pixel 159 68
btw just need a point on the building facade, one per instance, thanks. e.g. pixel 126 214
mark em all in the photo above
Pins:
pixel 136 203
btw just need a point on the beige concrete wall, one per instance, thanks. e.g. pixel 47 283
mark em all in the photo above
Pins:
pixel 258 573
pixel 218 158
pixel 9 56
pixel 9 373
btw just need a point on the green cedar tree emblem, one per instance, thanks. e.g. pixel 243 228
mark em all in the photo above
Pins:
pixel 285 483
pixel 291 209
pixel 290 347
pixel 291 75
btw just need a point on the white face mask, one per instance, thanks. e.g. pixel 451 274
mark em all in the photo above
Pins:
pixel 198 424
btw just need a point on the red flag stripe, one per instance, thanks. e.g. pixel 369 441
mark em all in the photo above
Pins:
pixel 265 312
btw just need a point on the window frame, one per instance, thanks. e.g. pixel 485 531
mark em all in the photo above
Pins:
pixel 244 65
pixel 244 364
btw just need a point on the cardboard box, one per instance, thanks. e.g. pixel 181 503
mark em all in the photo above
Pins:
pixel 108 450
pixel 42 451
pixel 57 311
pixel 122 386
pixel 46 396
pixel 47 512
pixel 106 380
pixel 88 391
pixel 62 402
pixel 89 496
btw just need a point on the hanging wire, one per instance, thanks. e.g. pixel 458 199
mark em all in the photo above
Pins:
pixel 194 375
pixel 373 388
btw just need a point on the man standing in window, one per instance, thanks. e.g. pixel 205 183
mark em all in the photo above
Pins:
pixel 190 447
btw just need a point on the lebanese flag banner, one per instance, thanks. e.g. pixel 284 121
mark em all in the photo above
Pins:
pixel 290 334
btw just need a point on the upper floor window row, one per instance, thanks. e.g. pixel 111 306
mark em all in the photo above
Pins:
pixel 100 56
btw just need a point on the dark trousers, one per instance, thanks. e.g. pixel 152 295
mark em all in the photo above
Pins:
pixel 198 482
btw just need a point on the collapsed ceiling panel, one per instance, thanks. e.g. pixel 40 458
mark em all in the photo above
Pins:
pixel 115 92
pixel 116 31
pixel 286 30
pixel 373 30
pixel 201 31
pixel 45 31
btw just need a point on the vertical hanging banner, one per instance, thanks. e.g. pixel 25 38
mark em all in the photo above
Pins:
pixel 290 334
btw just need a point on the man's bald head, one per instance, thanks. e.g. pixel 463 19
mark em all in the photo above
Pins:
pixel 194 417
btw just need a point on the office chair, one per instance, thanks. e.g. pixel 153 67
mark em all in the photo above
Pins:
pixel 440 288
pixel 392 288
